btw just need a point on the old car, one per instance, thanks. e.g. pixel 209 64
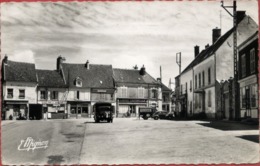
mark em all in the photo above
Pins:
pixel 160 115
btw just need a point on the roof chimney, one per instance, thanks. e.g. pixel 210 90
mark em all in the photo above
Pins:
pixel 206 46
pixel 5 60
pixel 159 80
pixel 216 33
pixel 60 59
pixel 196 50
pixel 142 71
pixel 240 15
pixel 87 64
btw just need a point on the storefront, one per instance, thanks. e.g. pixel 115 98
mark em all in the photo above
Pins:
pixel 249 97
pixel 130 105
pixel 79 109
pixel 12 109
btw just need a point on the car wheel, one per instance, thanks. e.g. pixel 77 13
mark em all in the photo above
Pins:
pixel 156 118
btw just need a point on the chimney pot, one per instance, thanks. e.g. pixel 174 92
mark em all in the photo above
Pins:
pixel 142 71
pixel 196 50
pixel 87 64
pixel 216 33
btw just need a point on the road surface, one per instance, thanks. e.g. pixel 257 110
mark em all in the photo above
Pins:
pixel 128 141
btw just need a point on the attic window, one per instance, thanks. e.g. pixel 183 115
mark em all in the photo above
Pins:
pixel 139 78
pixel 101 82
pixel 78 82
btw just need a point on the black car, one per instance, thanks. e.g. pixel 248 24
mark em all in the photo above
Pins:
pixel 160 115
pixel 170 116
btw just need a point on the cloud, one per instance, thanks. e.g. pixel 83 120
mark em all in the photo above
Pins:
pixel 23 56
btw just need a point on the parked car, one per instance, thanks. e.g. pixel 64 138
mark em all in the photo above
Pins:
pixel 163 115
pixel 160 115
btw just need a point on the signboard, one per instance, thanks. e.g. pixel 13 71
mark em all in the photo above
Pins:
pixel 141 110
pixel 132 100
pixel 110 91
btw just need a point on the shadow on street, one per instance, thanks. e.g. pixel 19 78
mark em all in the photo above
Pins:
pixel 220 125
pixel 253 138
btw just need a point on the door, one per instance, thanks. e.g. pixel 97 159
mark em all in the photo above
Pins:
pixel 248 110
pixel 226 106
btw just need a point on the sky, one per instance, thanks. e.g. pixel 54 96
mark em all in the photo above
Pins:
pixel 123 34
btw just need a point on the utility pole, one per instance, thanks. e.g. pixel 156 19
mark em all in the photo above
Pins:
pixel 234 15
pixel 178 61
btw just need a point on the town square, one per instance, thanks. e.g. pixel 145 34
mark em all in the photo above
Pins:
pixel 167 82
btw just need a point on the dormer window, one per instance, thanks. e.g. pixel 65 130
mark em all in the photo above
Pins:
pixel 78 82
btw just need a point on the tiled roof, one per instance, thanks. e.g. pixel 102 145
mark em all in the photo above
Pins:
pixel 97 76
pixel 132 76
pixel 165 88
pixel 50 78
pixel 246 27
pixel 19 71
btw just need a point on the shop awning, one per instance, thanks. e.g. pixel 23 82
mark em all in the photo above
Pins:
pixel 16 102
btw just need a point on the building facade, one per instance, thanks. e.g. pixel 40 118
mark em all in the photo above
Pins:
pixel 248 75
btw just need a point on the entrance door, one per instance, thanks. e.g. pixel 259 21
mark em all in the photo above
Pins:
pixel 226 106
pixel 132 110
pixel 248 111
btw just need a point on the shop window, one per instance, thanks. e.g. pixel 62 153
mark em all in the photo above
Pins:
pixel 252 61
pixel 253 96
pixel 243 97
pixel 209 76
pixel 43 95
pixel 243 63
pixel 54 95
pixel 141 92
pixel 209 98
pixel 10 93
pixel 21 93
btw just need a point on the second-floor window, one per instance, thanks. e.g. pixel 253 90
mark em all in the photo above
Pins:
pixel 209 76
pixel 190 85
pixel 252 61
pixel 195 81
pixel 199 80
pixel 124 91
pixel 203 79
pixel 154 93
pixel 21 93
pixel 54 95
pixel 77 94
pixel 141 92
pixel 209 99
pixel 186 87
pixel 10 93
pixel 43 94
pixel 243 65
pixel 181 89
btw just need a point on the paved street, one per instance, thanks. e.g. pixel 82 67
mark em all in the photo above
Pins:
pixel 130 140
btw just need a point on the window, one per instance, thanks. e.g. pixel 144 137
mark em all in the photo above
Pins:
pixel 195 81
pixel 154 93
pixel 203 79
pixel 78 82
pixel 209 98
pixel 190 85
pixel 141 92
pixel 54 95
pixel 43 94
pixel 77 95
pixel 252 61
pixel 186 87
pixel 243 65
pixel 209 76
pixel 181 89
pixel 253 95
pixel 124 91
pixel 243 97
pixel 199 80
pixel 10 93
pixel 21 93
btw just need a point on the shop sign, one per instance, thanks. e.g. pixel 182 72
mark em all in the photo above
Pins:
pixel 132 100
pixel 102 91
